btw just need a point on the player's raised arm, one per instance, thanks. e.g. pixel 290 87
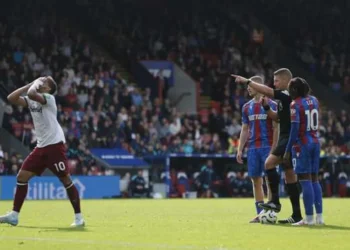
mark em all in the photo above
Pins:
pixel 34 92
pixel 261 88
pixel 16 98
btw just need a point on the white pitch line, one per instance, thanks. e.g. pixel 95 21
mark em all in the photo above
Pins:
pixel 113 243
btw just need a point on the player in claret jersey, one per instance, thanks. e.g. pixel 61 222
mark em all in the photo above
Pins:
pixel 50 150
pixel 262 135
pixel 304 145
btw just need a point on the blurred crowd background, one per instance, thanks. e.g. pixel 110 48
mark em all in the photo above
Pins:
pixel 90 46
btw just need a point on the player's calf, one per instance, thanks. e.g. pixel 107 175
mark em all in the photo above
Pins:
pixel 273 179
pixel 293 191
pixel 258 192
pixel 308 196
pixel 318 199
pixel 23 178
pixel 74 198
pixel 258 195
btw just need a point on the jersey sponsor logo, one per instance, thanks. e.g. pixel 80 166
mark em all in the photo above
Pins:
pixel 257 117
pixel 280 106
pixel 293 111
pixel 35 107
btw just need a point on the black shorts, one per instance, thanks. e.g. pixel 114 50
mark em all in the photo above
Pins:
pixel 281 146
pixel 281 149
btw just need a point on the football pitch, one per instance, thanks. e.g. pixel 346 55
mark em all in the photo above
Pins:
pixel 169 224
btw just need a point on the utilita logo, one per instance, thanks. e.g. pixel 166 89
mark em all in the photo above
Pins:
pixel 51 191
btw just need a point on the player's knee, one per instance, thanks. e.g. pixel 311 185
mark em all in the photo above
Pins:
pixel 271 162
pixel 290 174
pixel 257 181
pixel 23 176
pixel 66 180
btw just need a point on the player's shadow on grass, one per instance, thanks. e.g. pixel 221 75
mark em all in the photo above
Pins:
pixel 327 227
pixel 58 229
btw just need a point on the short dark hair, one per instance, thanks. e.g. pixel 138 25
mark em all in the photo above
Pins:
pixel 52 84
pixel 298 87
pixel 307 88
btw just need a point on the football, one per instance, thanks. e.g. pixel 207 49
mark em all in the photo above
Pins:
pixel 268 217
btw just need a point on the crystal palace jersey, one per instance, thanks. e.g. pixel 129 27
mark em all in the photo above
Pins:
pixel 259 124
pixel 304 111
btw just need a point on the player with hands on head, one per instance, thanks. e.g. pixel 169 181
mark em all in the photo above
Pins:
pixel 50 151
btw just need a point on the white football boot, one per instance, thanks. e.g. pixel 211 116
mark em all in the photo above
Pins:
pixel 10 218
pixel 319 220
pixel 78 221
pixel 304 222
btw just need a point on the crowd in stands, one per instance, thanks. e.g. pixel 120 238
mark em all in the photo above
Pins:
pixel 319 33
pixel 98 108
pixel 187 36
pixel 9 164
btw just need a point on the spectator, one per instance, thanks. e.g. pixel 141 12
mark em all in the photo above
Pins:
pixel 206 178
pixel 234 128
pixel 138 185
pixel 175 126
pixel 3 168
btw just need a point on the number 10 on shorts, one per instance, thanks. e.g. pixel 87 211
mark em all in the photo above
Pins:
pixel 60 166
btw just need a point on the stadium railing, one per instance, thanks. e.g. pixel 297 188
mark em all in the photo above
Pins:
pixel 225 163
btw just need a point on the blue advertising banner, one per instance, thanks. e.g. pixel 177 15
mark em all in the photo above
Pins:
pixel 50 188
pixel 154 67
pixel 116 157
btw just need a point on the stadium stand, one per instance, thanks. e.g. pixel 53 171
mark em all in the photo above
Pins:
pixel 319 36
pixel 99 104
pixel 9 164
pixel 236 49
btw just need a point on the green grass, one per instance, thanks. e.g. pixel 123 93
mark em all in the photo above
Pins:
pixel 169 224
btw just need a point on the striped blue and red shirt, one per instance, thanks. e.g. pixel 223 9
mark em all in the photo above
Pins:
pixel 305 112
pixel 259 124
